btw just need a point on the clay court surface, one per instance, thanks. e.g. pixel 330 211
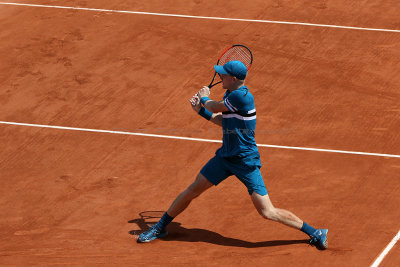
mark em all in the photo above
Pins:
pixel 80 198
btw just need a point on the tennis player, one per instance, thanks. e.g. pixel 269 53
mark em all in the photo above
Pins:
pixel 238 156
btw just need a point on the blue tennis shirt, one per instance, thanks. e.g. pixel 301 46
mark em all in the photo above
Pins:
pixel 238 126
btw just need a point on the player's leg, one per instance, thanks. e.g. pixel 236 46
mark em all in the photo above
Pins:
pixel 265 208
pixel 183 200
pixel 252 178
pixel 211 174
pixel 194 190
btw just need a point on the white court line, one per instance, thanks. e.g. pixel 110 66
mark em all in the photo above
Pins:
pixel 386 250
pixel 195 139
pixel 202 17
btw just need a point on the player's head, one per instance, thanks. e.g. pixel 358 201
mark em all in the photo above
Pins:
pixel 232 73
pixel 233 68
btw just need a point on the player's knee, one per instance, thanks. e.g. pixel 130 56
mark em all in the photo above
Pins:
pixel 193 191
pixel 268 213
pixel 190 193
pixel 198 187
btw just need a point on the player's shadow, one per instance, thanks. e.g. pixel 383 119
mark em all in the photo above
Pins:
pixel 176 232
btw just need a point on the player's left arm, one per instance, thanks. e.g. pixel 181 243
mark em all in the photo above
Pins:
pixel 215 118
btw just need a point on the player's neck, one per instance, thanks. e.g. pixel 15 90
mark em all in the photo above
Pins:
pixel 235 86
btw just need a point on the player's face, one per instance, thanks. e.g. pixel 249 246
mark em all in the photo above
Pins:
pixel 227 81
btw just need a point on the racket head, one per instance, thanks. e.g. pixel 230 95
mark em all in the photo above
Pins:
pixel 146 219
pixel 235 52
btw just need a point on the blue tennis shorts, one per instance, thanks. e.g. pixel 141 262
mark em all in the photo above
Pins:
pixel 218 169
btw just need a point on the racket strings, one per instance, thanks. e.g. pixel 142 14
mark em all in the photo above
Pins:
pixel 237 53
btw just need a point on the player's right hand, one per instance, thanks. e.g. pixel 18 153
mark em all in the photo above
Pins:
pixel 205 91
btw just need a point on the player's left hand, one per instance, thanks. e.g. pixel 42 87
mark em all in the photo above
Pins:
pixel 195 102
pixel 205 91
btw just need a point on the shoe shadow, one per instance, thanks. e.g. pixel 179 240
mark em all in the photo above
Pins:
pixel 176 232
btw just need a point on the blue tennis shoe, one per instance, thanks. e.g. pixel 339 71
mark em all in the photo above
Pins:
pixel 151 234
pixel 319 239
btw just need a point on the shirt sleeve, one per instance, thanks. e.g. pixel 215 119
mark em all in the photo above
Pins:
pixel 235 101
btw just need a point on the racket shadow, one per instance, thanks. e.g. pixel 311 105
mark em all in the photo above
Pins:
pixel 179 233
pixel 146 219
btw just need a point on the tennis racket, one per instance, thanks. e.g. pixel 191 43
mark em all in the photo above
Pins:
pixel 235 52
